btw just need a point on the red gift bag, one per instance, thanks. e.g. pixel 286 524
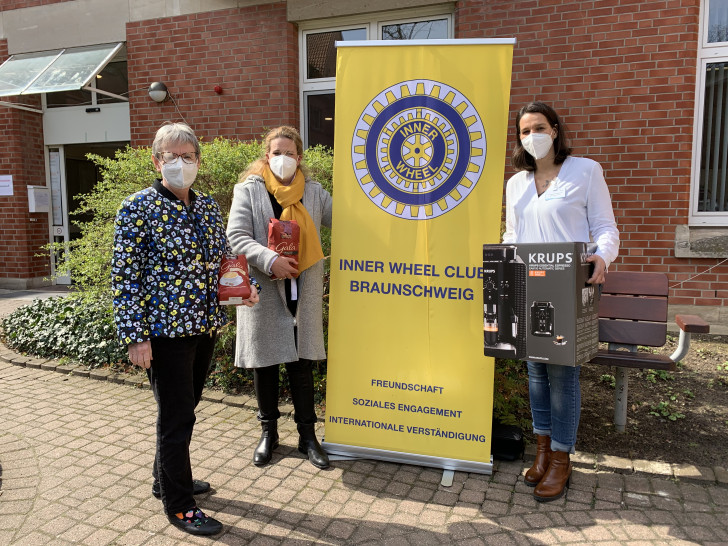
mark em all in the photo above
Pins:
pixel 284 237
pixel 233 284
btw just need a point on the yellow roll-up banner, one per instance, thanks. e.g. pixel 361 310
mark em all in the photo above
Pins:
pixel 420 148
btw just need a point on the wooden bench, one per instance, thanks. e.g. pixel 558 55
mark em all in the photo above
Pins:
pixel 633 313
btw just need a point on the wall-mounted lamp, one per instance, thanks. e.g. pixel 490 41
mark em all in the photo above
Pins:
pixel 158 92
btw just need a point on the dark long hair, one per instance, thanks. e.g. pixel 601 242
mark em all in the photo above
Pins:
pixel 521 159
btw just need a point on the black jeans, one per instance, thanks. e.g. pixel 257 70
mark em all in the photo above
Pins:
pixel 300 378
pixel 179 369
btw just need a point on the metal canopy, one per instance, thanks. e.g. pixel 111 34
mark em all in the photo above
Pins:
pixel 68 69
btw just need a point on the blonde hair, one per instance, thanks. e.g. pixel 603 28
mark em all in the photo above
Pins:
pixel 284 131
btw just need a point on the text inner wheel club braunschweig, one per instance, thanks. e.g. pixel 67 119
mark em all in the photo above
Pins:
pixel 418 149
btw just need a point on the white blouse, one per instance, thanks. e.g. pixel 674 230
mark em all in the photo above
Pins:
pixel 576 207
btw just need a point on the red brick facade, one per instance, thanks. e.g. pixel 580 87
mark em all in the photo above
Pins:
pixel 22 234
pixel 622 75
pixel 7 5
pixel 252 53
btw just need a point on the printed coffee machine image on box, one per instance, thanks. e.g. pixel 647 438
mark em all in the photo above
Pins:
pixel 542 319
pixel 537 303
pixel 504 284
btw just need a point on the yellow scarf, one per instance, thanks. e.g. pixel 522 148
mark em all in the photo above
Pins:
pixel 289 197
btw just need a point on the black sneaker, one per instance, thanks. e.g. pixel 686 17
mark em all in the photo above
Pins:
pixel 195 522
pixel 198 488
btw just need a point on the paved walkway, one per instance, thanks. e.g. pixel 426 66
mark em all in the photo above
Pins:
pixel 76 454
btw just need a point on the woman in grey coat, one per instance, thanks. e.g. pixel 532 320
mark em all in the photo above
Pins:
pixel 286 327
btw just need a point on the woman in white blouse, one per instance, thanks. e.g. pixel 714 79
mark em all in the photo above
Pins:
pixel 556 197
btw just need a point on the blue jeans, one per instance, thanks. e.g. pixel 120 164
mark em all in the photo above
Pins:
pixel 555 395
pixel 177 376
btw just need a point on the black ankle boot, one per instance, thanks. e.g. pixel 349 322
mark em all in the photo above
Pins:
pixel 266 393
pixel 309 445
pixel 268 442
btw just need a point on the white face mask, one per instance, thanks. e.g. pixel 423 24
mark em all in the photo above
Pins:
pixel 179 174
pixel 283 167
pixel 537 144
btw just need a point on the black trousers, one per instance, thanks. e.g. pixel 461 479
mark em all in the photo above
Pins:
pixel 300 378
pixel 179 369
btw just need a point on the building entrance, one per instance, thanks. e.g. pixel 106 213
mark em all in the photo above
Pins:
pixel 71 175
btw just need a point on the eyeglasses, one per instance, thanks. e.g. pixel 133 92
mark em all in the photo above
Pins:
pixel 169 157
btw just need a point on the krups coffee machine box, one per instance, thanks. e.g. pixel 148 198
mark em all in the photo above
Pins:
pixel 537 304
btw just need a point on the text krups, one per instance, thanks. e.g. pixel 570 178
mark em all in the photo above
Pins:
pixel 550 257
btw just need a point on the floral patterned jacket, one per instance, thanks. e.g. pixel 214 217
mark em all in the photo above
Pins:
pixel 165 266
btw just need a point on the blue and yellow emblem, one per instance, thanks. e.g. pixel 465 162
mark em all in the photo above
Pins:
pixel 418 149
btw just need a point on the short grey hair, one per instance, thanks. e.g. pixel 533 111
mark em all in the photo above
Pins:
pixel 174 133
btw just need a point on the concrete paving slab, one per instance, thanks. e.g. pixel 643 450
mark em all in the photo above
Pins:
pixel 75 466
pixel 76 456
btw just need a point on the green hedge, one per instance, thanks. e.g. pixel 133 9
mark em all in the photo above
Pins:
pixel 73 328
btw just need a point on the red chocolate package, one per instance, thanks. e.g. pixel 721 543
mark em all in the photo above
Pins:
pixel 284 236
pixel 233 284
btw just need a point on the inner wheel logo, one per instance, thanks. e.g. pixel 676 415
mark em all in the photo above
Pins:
pixel 419 149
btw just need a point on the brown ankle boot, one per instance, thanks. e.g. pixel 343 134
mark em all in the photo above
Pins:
pixel 543 458
pixel 556 479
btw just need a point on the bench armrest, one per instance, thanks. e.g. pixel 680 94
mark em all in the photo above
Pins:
pixel 689 324
pixel 692 324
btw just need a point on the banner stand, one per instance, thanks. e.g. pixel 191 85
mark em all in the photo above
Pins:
pixel 447 475
pixel 356 452
pixel 420 135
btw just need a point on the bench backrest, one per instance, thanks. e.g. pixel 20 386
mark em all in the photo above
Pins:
pixel 633 309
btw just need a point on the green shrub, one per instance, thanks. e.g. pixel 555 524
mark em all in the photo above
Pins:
pixel 221 163
pixel 71 327
pixel 510 393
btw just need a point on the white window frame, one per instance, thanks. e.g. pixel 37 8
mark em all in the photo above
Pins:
pixel 373 24
pixel 707 53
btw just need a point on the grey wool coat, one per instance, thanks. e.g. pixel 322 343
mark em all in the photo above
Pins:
pixel 265 334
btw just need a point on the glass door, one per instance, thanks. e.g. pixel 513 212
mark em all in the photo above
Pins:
pixel 72 174
pixel 59 208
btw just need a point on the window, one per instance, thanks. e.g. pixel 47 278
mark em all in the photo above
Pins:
pixel 717 28
pixel 318 58
pixel 714 152
pixel 420 30
pixel 709 196
pixel 321 50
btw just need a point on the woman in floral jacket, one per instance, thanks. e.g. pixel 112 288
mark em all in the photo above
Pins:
pixel 168 244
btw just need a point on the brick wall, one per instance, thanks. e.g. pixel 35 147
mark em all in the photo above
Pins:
pixel 7 5
pixel 22 234
pixel 250 52
pixel 622 75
